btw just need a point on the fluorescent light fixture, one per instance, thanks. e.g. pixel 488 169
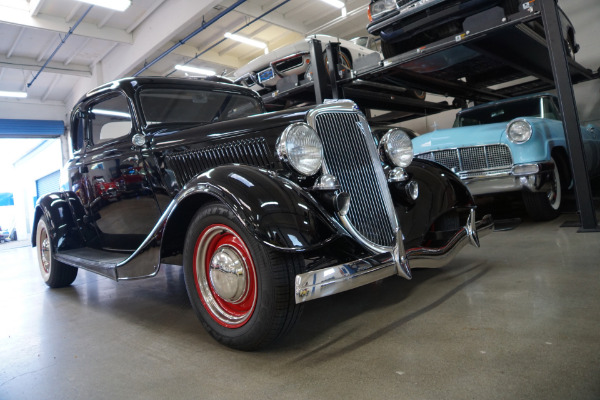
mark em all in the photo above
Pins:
pixel 243 39
pixel 111 113
pixel 194 70
pixel 335 3
pixel 119 5
pixel 20 95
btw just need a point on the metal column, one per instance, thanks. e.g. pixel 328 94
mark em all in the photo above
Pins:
pixel 564 87
pixel 318 69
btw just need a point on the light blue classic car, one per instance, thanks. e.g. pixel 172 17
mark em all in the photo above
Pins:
pixel 512 145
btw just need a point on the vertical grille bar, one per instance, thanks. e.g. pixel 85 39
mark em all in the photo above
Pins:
pixel 187 164
pixel 349 159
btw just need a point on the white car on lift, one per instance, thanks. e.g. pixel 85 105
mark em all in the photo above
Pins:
pixel 263 73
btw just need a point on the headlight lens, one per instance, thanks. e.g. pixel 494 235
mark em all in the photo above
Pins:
pixel 378 8
pixel 301 148
pixel 397 147
pixel 519 131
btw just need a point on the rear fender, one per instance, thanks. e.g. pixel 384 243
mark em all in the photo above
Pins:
pixel 64 213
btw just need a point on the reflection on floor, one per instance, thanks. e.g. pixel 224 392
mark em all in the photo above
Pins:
pixel 516 319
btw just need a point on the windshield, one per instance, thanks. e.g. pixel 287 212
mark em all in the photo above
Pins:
pixel 542 107
pixel 188 106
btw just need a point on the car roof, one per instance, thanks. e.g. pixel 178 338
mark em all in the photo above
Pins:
pixel 504 101
pixel 130 84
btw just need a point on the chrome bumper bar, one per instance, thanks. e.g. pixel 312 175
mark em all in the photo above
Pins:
pixel 339 278
pixel 535 177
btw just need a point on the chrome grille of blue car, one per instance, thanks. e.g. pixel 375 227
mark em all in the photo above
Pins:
pixel 476 158
pixel 189 163
pixel 348 157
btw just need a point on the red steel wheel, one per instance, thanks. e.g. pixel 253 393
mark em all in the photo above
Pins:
pixel 241 290
pixel 225 276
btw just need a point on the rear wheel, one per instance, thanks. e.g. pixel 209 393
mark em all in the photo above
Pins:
pixel 54 273
pixel 242 291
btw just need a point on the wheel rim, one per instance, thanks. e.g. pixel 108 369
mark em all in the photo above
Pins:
pixel 44 252
pixel 225 276
pixel 554 194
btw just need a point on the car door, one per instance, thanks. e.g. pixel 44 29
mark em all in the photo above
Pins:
pixel 114 187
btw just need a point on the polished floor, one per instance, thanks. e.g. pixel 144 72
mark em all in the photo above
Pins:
pixel 517 319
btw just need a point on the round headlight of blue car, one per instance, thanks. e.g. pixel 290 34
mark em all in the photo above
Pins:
pixel 300 147
pixel 397 147
pixel 519 131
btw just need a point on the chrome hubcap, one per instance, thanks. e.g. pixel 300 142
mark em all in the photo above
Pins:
pixel 228 274
pixel 45 251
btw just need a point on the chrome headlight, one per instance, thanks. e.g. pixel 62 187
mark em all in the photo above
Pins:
pixel 519 131
pixel 380 7
pixel 300 147
pixel 397 147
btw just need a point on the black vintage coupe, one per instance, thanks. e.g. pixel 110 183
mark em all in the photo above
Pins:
pixel 264 211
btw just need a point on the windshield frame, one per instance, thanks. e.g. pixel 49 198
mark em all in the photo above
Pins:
pixel 546 108
pixel 253 99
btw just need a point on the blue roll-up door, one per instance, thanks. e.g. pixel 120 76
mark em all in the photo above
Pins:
pixel 48 184
pixel 29 128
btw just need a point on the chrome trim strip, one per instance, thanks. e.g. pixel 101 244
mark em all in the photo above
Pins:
pixel 339 278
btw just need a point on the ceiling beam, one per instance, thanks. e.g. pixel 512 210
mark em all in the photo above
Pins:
pixel 21 17
pixel 35 6
pixel 31 64
pixel 210 56
pixel 15 43
pixel 152 35
pixel 274 18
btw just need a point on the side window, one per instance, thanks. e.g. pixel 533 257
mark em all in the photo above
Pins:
pixel 109 119
pixel 77 133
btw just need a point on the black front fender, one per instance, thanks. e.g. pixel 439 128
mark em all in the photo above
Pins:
pixel 275 210
pixel 441 193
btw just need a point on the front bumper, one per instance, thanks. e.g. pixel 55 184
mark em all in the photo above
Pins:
pixel 327 281
pixel 534 177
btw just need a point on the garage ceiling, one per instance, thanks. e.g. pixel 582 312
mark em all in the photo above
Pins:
pixel 107 44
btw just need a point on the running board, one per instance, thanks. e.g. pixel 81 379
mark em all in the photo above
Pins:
pixel 98 261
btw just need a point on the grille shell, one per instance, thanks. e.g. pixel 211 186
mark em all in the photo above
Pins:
pixel 472 159
pixel 351 156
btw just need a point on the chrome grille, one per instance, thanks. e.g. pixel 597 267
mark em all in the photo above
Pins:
pixel 187 164
pixel 477 158
pixel 349 159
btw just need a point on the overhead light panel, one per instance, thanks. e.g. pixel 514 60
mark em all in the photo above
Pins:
pixel 119 5
pixel 335 3
pixel 243 39
pixel 194 70
pixel 20 95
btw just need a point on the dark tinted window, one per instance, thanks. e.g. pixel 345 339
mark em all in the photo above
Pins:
pixel 110 119
pixel 195 106
pixel 533 107
pixel 77 133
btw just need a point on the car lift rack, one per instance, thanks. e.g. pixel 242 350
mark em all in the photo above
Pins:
pixel 496 57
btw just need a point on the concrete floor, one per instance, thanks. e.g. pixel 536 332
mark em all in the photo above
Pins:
pixel 517 319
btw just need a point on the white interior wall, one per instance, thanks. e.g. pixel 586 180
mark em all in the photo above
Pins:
pixel 44 160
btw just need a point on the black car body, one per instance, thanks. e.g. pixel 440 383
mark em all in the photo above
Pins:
pixel 261 217
pixel 405 25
